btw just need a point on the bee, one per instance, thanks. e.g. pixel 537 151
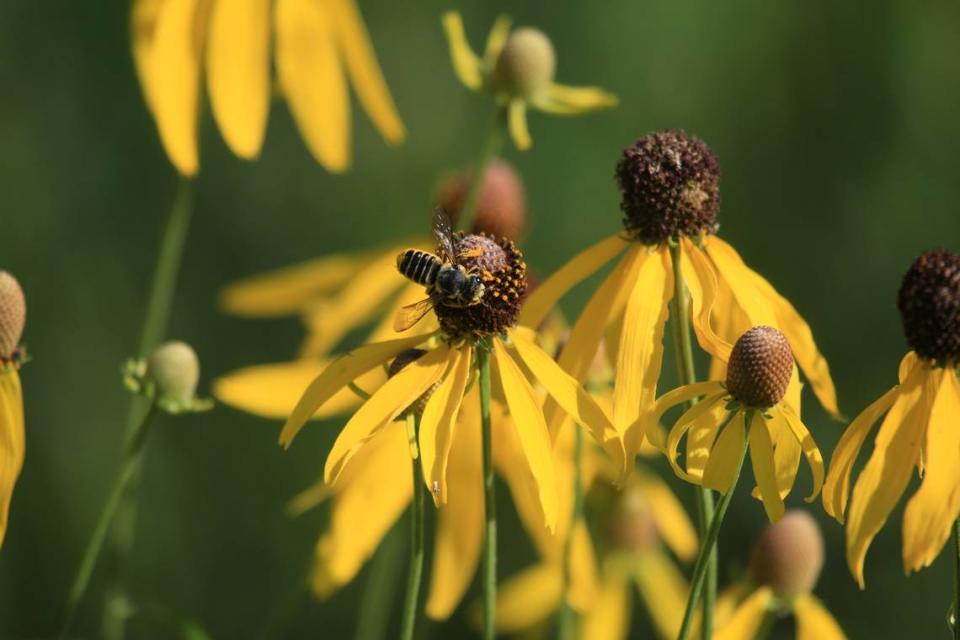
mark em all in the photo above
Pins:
pixel 447 281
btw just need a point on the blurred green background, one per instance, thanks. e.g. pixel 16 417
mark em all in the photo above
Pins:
pixel 836 127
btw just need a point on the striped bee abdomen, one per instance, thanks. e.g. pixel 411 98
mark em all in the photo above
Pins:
pixel 420 266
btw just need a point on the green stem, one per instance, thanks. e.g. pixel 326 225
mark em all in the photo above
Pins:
pixel 490 499
pixel 955 618
pixel 683 348
pixel 129 464
pixel 568 616
pixel 709 546
pixel 767 624
pixel 488 151
pixel 416 536
pixel 379 587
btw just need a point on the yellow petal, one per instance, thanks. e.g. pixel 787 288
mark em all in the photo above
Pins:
pixel 703 417
pixel 174 80
pixel 437 426
pixel 701 434
pixel 364 509
pixel 673 525
pixel 786 453
pixel 143 27
pixel 931 512
pixel 571 397
pixel 563 100
pixel 12 441
pixel 814 622
pixel 663 590
pixel 341 372
pixel 531 429
pixel 836 489
pixel 545 297
pixel 389 401
pixel 748 617
pixel 683 394
pixel 640 354
pixel 610 616
pixel 725 457
pixel 701 281
pixel 528 597
pixel 365 73
pixel 809 448
pixel 465 62
pixel 517 123
pixel 739 277
pixel 238 72
pixel 887 472
pixel 761 458
pixel 459 536
pixel 312 80
pixel 496 40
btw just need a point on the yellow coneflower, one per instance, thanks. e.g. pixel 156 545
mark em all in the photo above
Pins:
pixel 13 313
pixel 919 430
pixel 784 568
pixel 669 185
pixel 518 67
pixel 318 43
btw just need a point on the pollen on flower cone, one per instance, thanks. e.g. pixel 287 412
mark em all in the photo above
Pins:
pixel 175 369
pixel 760 367
pixel 13 314
pixel 501 208
pixel 788 556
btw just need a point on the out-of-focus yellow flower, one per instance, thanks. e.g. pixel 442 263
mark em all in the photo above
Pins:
pixel 518 68
pixel 784 569
pixel 13 310
pixel 919 431
pixel 318 43
pixel 670 200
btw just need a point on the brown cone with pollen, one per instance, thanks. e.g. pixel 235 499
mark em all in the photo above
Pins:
pixel 760 367
pixel 403 359
pixel 788 556
pixel 929 303
pixel 13 315
pixel 501 208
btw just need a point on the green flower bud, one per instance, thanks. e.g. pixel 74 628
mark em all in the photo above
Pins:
pixel 13 314
pixel 526 65
pixel 174 370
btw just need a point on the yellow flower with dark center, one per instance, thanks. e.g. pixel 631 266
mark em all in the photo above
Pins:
pixel 13 311
pixel 670 200
pixel 784 568
pixel 749 407
pixel 518 68
pixel 315 45
pixel 919 430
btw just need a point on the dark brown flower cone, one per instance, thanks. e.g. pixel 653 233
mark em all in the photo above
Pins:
pixel 929 303
pixel 760 367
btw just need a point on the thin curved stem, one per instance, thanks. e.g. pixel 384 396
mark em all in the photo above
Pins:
pixel 489 498
pixel 488 151
pixel 568 616
pixel 683 348
pixel 709 546
pixel 415 571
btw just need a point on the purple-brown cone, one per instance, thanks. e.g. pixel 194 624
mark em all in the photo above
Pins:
pixel 929 303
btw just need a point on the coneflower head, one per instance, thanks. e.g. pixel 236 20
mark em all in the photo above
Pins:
pixel 929 303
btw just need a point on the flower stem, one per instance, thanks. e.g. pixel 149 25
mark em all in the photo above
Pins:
pixel 568 616
pixel 379 588
pixel 683 348
pixel 489 496
pixel 129 465
pixel 709 546
pixel 488 151
pixel 955 618
pixel 416 535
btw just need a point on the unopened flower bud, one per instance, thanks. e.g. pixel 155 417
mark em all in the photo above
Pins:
pixel 526 65
pixel 632 526
pixel 929 303
pixel 501 204
pixel 760 367
pixel 13 314
pixel 788 556
pixel 404 358
pixel 174 369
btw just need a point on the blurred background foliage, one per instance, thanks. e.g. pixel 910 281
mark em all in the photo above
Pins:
pixel 837 131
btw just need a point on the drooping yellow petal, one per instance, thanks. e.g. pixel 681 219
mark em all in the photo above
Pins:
pixel 238 72
pixel 563 100
pixel 809 447
pixel 496 40
pixel 437 426
pixel 272 390
pixel 389 401
pixel 143 26
pixel 465 62
pixel 761 458
pixel 12 441
pixel 173 80
pixel 312 79
pixel 701 434
pixel 663 590
pixel 640 354
pixel 571 397
pixel 531 429
pixel 701 281
pixel 364 509
pixel 748 617
pixel 529 597
pixel 786 453
pixel 545 297
pixel 459 536
pixel 341 372
pixel 701 416
pixel 887 472
pixel 365 73
pixel 683 394
pixel 609 619
pixel 933 509
pixel 836 489
pixel 517 123
pixel 673 524
pixel 814 622
pixel 738 277
pixel 725 457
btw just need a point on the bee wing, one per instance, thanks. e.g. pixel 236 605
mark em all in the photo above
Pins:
pixel 411 314
pixel 443 232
